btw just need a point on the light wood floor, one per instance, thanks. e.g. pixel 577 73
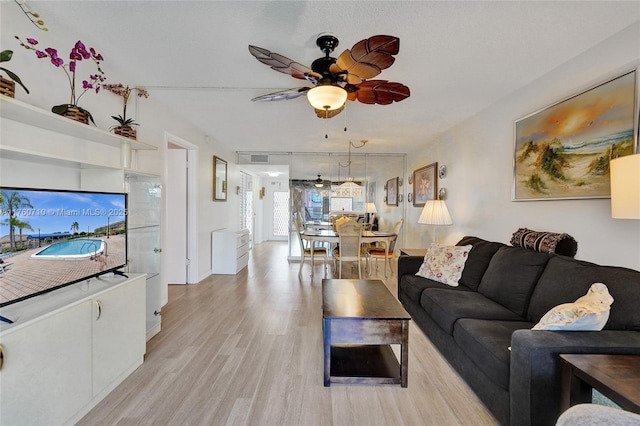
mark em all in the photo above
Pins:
pixel 247 350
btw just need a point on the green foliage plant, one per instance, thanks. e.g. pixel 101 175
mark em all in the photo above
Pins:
pixel 5 56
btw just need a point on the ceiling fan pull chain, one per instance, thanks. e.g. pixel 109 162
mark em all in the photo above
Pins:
pixel 345 116
pixel 326 123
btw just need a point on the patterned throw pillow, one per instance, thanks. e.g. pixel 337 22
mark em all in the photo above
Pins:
pixel 588 313
pixel 444 263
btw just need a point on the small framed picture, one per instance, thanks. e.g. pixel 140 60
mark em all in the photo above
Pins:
pixel 425 184
pixel 392 192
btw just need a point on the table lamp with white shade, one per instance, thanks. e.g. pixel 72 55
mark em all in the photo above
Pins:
pixel 435 213
pixel 625 187
pixel 370 209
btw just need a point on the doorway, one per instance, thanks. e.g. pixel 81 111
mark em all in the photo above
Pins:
pixel 180 266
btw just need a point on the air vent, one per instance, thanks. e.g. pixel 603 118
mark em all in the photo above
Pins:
pixel 259 159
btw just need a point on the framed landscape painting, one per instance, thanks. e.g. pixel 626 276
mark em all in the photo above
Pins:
pixel 563 150
pixel 425 184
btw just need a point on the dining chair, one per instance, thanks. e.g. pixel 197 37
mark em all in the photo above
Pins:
pixel 378 252
pixel 339 221
pixel 349 245
pixel 305 252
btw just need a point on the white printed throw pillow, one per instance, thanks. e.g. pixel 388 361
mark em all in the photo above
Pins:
pixel 588 313
pixel 444 263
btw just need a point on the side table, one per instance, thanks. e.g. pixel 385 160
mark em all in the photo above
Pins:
pixel 615 376
pixel 413 252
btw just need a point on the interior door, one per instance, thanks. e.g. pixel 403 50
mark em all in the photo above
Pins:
pixel 177 190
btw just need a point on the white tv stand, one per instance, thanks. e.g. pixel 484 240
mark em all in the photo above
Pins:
pixel 69 348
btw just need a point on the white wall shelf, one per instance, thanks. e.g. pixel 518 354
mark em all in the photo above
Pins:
pixel 22 112
pixel 21 154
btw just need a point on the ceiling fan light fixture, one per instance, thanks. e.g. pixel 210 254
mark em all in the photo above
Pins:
pixel 327 97
pixel 319 182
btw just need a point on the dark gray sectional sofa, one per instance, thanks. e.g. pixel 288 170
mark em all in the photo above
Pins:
pixel 503 293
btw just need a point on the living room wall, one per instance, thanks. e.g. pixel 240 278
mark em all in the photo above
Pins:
pixel 479 156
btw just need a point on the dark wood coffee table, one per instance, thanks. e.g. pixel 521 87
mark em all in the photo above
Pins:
pixel 361 319
pixel 615 376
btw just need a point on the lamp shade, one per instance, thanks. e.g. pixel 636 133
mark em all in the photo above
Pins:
pixel 435 212
pixel 370 208
pixel 625 187
pixel 326 97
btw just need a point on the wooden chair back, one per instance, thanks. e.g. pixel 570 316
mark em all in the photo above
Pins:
pixel 350 240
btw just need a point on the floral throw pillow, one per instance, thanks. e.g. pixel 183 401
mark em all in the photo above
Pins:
pixel 444 263
pixel 588 313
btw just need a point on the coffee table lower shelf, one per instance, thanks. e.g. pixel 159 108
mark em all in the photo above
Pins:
pixel 364 364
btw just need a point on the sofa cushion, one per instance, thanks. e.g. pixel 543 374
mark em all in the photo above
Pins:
pixel 444 263
pixel 511 276
pixel 479 258
pixel 589 313
pixel 566 279
pixel 413 286
pixel 487 344
pixel 446 306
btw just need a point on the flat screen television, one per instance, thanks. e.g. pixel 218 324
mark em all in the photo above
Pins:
pixel 53 238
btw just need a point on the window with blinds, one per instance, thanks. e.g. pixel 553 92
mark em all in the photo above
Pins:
pixel 280 213
pixel 245 200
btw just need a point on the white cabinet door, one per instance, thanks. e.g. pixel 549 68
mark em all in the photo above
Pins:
pixel 46 375
pixel 144 250
pixel 154 305
pixel 119 329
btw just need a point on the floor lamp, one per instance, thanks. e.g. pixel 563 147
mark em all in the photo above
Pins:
pixel 625 187
pixel 435 212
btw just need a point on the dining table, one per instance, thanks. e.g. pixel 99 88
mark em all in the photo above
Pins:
pixel 318 224
pixel 331 236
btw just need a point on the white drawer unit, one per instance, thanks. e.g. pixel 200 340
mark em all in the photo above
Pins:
pixel 229 251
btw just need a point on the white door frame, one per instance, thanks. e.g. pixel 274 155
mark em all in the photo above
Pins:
pixel 192 243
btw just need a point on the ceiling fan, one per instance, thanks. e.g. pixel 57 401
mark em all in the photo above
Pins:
pixel 336 80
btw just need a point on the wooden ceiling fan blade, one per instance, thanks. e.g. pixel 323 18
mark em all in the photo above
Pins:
pixel 381 92
pixel 281 63
pixel 368 58
pixel 359 72
pixel 283 95
pixel 384 43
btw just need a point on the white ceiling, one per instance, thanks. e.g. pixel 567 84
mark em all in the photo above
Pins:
pixel 456 57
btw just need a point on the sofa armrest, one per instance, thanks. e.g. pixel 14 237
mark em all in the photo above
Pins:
pixel 409 265
pixel 535 367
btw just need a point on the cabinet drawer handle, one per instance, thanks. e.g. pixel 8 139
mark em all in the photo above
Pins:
pixel 99 306
pixel 1 356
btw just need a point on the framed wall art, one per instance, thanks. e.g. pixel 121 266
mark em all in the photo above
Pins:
pixel 562 151
pixel 425 184
pixel 371 192
pixel 392 192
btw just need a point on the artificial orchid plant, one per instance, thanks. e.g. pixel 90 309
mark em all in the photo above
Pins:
pixel 78 53
pixel 125 91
